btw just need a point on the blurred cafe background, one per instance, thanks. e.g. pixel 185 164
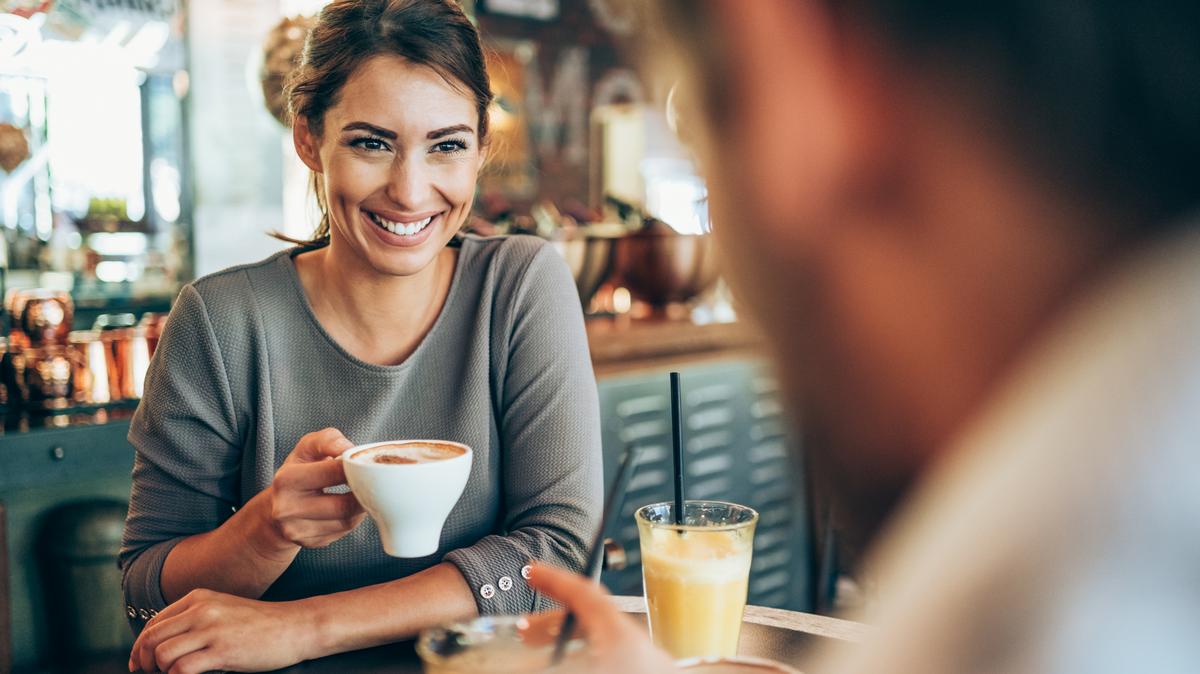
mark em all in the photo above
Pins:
pixel 142 144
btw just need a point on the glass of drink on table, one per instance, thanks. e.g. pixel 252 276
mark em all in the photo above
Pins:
pixel 501 644
pixel 696 574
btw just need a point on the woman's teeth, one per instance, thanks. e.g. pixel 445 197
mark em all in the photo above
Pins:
pixel 400 228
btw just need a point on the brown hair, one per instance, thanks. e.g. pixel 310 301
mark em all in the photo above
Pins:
pixel 1102 97
pixel 347 33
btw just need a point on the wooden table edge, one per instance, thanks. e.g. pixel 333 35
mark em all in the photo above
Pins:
pixel 809 623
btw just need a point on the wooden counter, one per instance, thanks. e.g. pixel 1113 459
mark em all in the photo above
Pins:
pixel 622 345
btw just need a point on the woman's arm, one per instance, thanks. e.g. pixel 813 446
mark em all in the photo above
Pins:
pixel 550 433
pixel 208 630
pixel 184 530
pixel 254 547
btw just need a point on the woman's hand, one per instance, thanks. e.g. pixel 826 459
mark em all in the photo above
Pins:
pixel 615 643
pixel 301 512
pixel 209 630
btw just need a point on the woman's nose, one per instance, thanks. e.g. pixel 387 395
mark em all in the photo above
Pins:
pixel 408 184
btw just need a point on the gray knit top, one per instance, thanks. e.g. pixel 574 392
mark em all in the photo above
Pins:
pixel 244 369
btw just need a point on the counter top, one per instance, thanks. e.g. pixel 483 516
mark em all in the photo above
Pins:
pixel 622 345
pixel 618 346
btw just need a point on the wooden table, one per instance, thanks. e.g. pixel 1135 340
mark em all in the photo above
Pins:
pixel 786 636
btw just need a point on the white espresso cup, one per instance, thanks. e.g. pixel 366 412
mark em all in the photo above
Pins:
pixel 409 488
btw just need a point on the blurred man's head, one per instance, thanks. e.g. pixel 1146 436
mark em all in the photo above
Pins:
pixel 907 191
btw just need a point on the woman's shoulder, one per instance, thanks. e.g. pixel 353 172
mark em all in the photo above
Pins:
pixel 510 259
pixel 524 273
pixel 231 296
pixel 239 282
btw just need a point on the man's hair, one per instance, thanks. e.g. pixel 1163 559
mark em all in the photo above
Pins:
pixel 1101 96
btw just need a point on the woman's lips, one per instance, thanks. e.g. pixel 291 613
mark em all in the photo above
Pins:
pixel 383 228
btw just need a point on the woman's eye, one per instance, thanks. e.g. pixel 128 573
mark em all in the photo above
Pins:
pixel 448 146
pixel 369 144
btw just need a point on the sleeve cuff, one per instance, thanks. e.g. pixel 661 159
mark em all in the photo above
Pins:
pixel 497 571
pixel 143 583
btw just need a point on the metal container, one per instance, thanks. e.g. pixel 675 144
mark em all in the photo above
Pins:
pixel 43 376
pixel 79 544
pixel 40 317
pixel 661 267
pixel 89 368
pixel 589 256
pixel 127 353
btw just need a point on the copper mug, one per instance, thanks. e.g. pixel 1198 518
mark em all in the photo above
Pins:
pixel 89 368
pixel 127 353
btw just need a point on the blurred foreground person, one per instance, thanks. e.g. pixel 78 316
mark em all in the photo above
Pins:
pixel 970 231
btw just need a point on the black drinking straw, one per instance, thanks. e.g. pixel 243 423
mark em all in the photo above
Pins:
pixel 677 441
pixel 616 497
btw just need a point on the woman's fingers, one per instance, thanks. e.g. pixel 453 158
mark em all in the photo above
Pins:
pixel 599 618
pixel 197 662
pixel 316 507
pixel 310 476
pixel 322 444
pixel 168 652
pixel 159 629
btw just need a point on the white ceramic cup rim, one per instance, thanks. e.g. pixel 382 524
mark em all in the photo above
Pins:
pixel 345 456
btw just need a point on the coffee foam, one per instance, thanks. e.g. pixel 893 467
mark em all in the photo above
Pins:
pixel 407 453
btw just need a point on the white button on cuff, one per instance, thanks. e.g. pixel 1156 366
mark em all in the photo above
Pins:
pixel 131 611
pixel 143 614
pixel 525 571
pixel 153 613
pixel 487 591
pixel 505 584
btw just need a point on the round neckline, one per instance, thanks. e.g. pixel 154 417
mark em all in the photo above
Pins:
pixel 289 262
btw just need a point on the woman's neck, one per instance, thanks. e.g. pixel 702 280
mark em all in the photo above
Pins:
pixel 377 318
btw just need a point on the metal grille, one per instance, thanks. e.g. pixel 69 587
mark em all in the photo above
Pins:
pixel 737 450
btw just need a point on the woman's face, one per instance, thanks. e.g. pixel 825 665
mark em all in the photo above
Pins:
pixel 398 159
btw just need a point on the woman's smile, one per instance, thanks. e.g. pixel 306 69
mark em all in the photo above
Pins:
pixel 402 230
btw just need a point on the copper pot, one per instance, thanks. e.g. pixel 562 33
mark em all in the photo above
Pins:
pixel 44 377
pixel 127 354
pixel 661 267
pixel 589 256
pixel 89 368
pixel 40 317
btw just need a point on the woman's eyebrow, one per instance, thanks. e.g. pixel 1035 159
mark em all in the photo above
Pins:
pixel 446 131
pixel 364 126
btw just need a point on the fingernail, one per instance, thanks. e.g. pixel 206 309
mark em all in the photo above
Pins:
pixel 131 667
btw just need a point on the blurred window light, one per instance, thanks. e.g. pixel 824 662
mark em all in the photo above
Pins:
pixel 112 271
pixel 165 186
pixel 675 194
pixel 17 34
pixel 95 124
pixel 118 244
pixel 301 7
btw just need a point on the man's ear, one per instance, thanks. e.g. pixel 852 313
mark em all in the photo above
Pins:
pixel 307 144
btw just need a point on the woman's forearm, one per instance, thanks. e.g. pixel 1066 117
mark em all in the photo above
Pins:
pixel 380 614
pixel 243 556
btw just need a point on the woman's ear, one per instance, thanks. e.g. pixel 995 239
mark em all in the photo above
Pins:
pixel 307 144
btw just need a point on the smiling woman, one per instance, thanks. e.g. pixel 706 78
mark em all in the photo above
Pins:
pixel 386 325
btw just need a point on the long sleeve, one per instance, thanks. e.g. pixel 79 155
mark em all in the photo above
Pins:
pixel 186 466
pixel 550 430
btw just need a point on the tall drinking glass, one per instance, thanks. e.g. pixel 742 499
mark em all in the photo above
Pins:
pixel 696 575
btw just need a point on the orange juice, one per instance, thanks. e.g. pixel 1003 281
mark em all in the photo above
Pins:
pixel 696 580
